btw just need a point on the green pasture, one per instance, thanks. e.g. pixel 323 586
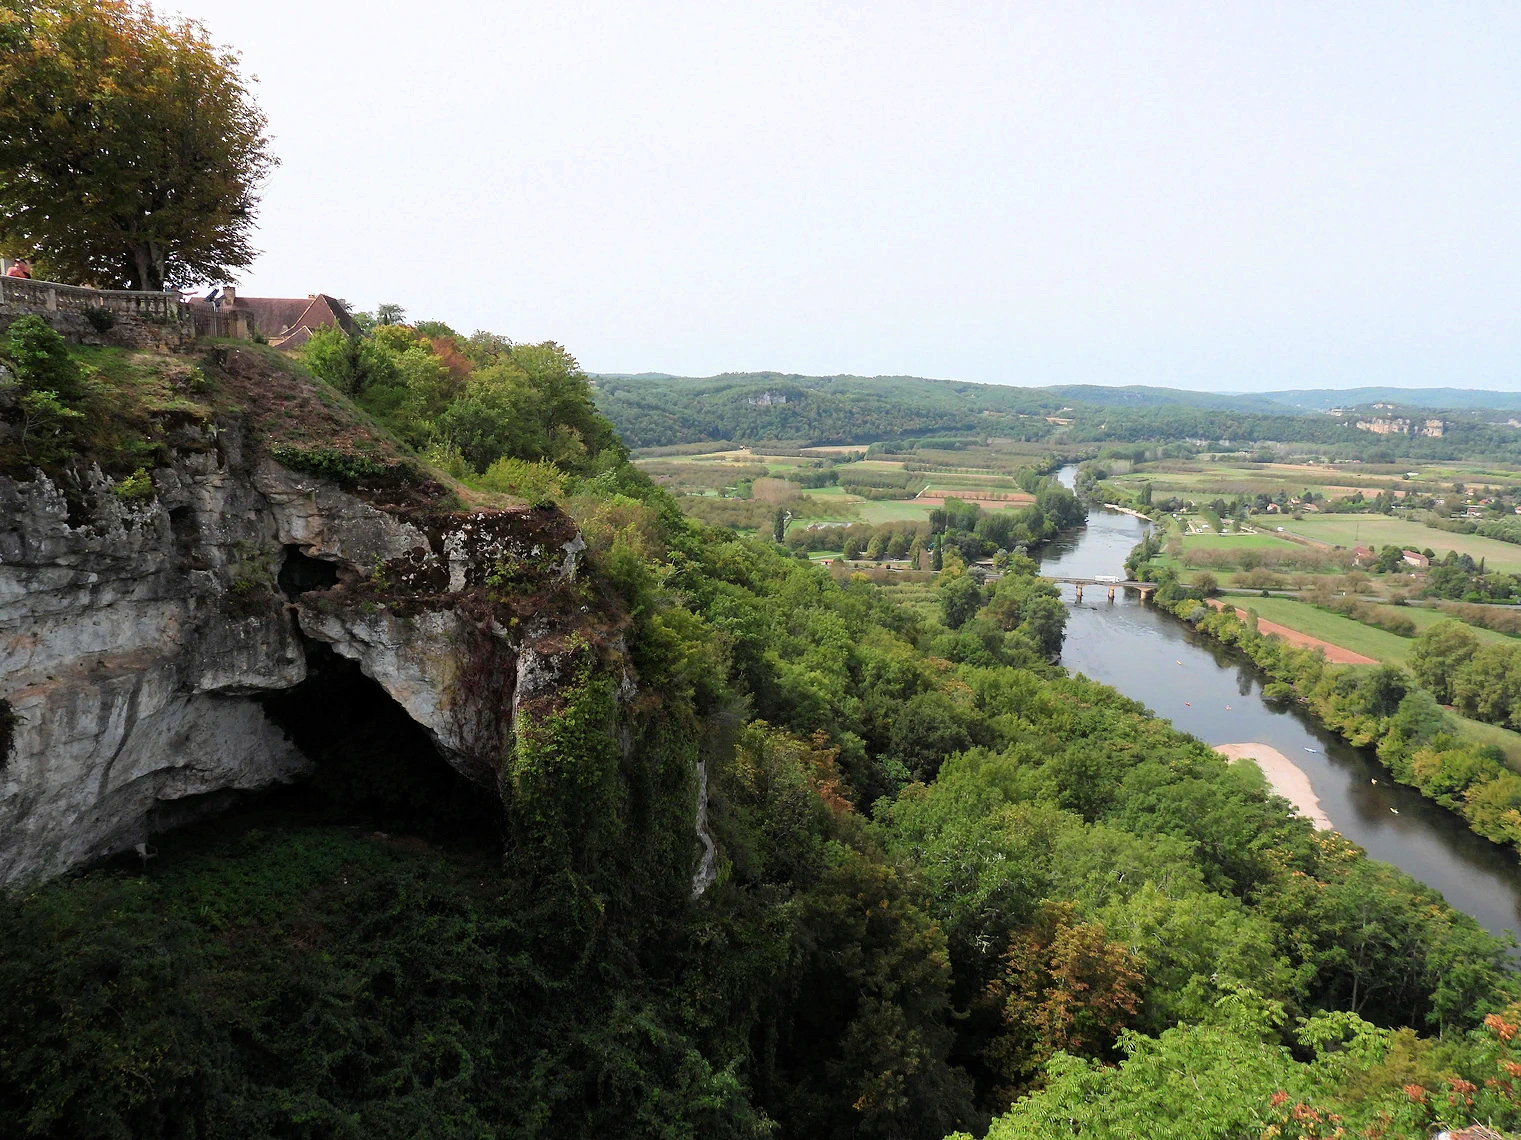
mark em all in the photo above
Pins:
pixel 1377 531
pixel 830 492
pixel 1379 644
pixel 1227 541
pixel 1504 739
pixel 894 510
pixel 1424 616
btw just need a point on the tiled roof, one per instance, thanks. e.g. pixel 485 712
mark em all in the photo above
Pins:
pixel 279 317
pixel 293 339
pixel 273 316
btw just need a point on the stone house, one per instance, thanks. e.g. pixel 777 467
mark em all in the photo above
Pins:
pixel 286 322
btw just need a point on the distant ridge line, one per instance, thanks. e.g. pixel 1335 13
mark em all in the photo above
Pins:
pixel 1288 400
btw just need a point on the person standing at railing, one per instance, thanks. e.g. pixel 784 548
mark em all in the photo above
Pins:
pixel 21 269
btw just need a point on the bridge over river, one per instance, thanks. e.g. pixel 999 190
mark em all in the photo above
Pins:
pixel 1113 582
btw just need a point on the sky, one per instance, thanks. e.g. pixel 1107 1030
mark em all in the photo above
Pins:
pixel 1218 196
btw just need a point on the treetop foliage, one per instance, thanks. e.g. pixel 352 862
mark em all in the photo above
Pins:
pixel 472 403
pixel 132 153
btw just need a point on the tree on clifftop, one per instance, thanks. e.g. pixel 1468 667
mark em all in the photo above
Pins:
pixel 131 153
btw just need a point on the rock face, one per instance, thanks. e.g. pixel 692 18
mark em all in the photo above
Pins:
pixel 136 637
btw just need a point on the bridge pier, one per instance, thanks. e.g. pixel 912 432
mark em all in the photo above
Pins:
pixel 1145 593
pixel 1078 586
pixel 1111 593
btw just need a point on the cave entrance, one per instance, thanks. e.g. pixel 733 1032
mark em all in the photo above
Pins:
pixel 300 572
pixel 373 764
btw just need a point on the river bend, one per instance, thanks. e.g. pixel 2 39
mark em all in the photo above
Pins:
pixel 1214 693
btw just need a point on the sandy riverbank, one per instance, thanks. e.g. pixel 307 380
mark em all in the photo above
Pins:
pixel 1284 775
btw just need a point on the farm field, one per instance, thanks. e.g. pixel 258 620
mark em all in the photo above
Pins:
pixel 895 510
pixel 1504 739
pixel 1379 644
pixel 710 484
pixel 1425 616
pixel 829 504
pixel 1286 558
pixel 1262 540
pixel 1377 531
pixel 916 596
pixel 983 498
pixel 1203 479
pixel 1354 635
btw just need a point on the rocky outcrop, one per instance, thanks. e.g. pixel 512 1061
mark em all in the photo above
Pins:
pixel 137 636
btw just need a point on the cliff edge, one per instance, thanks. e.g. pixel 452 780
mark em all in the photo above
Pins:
pixel 146 618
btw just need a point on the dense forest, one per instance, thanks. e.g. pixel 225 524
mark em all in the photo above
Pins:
pixel 955 887
pixel 658 411
pixel 651 412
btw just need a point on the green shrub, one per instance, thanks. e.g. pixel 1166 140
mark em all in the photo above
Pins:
pixel 40 359
pixel 338 465
pixel 138 485
pixel 538 484
pixel 101 320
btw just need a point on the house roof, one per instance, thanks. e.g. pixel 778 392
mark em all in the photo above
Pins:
pixel 293 339
pixel 273 316
pixel 320 312
pixel 278 317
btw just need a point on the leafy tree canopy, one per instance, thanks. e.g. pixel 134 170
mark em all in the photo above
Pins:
pixel 131 151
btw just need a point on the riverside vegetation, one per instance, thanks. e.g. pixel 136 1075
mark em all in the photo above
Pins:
pixel 1396 713
pixel 956 889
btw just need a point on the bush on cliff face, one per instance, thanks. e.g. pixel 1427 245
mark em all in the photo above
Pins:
pixel 40 359
pixel 49 386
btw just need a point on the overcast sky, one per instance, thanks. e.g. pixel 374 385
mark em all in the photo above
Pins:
pixel 1225 196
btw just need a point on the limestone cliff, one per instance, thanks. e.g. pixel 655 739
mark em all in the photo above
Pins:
pixel 137 635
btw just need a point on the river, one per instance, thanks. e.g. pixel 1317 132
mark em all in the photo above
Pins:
pixel 1214 693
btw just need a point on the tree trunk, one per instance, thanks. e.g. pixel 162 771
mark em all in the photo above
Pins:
pixel 147 268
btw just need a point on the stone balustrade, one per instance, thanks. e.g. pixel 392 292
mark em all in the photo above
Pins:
pixel 137 319
pixel 53 297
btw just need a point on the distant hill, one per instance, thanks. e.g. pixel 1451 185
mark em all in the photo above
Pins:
pixel 1323 399
pixel 655 409
pixel 1143 396
pixel 651 410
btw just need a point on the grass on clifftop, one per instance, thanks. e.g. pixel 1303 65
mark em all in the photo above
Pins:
pixel 128 409
pixel 284 405
pixel 132 409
